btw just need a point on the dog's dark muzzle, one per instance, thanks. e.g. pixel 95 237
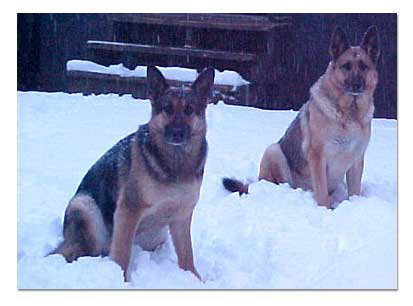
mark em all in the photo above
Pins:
pixel 177 134
pixel 355 86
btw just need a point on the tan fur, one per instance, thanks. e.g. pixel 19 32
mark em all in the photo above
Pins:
pixel 94 220
pixel 274 166
pixel 98 238
pixel 146 183
pixel 163 186
pixel 333 132
pixel 160 205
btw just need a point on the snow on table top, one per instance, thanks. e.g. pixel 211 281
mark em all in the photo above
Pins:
pixel 226 77
pixel 274 237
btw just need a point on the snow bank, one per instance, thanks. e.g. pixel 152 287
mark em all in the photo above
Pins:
pixel 226 77
pixel 274 237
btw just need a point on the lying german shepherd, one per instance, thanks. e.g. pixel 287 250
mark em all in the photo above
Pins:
pixel 146 182
pixel 328 138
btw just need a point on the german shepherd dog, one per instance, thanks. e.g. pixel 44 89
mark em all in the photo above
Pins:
pixel 328 138
pixel 149 181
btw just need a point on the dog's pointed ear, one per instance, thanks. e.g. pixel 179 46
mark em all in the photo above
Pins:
pixel 338 44
pixel 156 83
pixel 204 83
pixel 371 43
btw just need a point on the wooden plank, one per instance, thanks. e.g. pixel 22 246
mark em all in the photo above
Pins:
pixel 192 52
pixel 97 75
pixel 218 21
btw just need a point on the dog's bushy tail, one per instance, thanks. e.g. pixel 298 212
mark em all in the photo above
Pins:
pixel 234 185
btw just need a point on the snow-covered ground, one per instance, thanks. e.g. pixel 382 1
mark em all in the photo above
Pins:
pixel 274 237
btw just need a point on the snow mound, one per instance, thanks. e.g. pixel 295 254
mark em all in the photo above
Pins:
pixel 226 77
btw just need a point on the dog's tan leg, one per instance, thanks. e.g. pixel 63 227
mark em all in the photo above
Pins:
pixel 181 236
pixel 353 177
pixel 318 170
pixel 126 220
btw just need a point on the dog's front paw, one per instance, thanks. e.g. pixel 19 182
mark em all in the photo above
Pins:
pixel 327 202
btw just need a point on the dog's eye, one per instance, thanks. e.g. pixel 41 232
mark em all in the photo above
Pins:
pixel 363 66
pixel 169 109
pixel 188 110
pixel 346 66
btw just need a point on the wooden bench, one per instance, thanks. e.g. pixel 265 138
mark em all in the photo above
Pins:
pixel 243 43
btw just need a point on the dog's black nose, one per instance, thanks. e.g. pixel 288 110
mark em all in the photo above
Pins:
pixel 176 135
pixel 357 85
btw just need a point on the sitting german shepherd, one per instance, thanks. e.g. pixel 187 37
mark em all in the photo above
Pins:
pixel 146 182
pixel 328 138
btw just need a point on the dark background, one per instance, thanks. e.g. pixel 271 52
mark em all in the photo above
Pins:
pixel 45 42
